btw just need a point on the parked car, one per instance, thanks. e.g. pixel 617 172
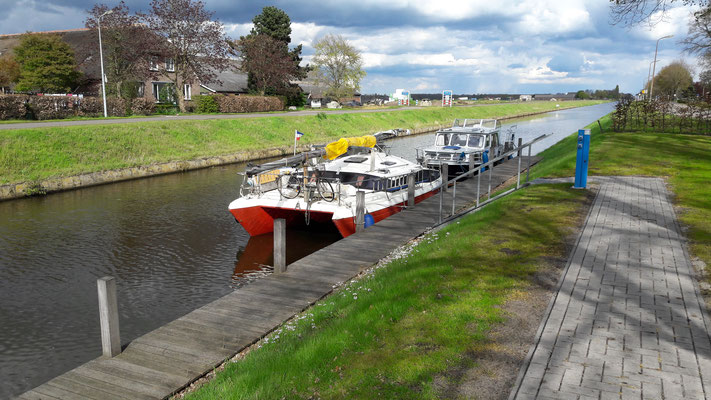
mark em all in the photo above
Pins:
pixel 353 103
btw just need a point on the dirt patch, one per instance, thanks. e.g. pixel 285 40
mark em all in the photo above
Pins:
pixel 490 372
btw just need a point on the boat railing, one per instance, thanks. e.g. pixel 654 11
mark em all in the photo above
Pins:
pixel 482 169
pixel 290 183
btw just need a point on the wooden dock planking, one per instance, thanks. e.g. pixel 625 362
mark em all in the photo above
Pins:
pixel 167 359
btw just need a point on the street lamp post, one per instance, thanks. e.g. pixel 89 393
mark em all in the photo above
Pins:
pixel 651 89
pixel 649 72
pixel 101 57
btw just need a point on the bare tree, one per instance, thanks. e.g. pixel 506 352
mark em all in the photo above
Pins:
pixel 634 12
pixel 339 66
pixel 127 47
pixel 196 44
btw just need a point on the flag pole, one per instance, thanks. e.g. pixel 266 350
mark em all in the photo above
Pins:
pixel 295 136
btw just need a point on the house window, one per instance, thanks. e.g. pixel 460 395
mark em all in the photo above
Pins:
pixel 152 64
pixel 163 92
pixel 169 65
pixel 187 92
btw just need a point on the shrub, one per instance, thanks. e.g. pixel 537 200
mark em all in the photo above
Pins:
pixel 13 107
pixel 207 105
pixel 50 107
pixel 190 106
pixel 143 106
pixel 94 107
pixel 242 104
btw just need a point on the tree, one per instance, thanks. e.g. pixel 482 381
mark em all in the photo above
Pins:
pixel 673 79
pixel 273 22
pixel 338 66
pixel 46 64
pixel 268 63
pixel 127 47
pixel 276 24
pixel 195 43
pixel 581 94
pixel 634 12
pixel 9 72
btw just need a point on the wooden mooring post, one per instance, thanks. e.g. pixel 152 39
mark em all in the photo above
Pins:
pixel 108 316
pixel 279 245
pixel 360 211
pixel 520 143
pixel 411 190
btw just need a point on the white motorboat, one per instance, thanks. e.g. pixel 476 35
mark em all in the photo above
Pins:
pixel 320 187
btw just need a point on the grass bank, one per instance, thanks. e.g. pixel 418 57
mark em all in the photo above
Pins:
pixel 35 154
pixel 406 330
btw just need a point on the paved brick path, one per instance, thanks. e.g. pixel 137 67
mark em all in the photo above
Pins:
pixel 628 321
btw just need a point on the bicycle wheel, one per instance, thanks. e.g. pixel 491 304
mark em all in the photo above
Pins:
pixel 325 190
pixel 291 189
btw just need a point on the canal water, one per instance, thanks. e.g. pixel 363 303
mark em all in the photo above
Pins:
pixel 169 241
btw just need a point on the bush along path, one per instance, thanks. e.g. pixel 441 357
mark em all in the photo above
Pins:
pixel 42 160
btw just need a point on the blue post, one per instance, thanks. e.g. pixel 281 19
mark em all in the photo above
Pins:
pixel 581 165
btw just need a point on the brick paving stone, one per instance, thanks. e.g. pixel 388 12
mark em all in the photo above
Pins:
pixel 627 322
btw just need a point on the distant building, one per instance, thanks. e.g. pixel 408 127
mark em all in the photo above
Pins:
pixel 554 97
pixel 526 97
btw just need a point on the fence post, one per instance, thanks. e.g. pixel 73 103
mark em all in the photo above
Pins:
pixel 528 170
pixel 279 245
pixel 520 143
pixel 445 175
pixel 518 173
pixel 360 211
pixel 411 190
pixel 108 316
pixel 478 183
pixel 491 170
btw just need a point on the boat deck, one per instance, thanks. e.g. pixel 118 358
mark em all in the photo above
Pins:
pixel 162 362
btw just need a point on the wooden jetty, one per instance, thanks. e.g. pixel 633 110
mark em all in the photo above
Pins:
pixel 166 360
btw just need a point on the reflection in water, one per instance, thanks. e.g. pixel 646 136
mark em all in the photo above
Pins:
pixel 255 259
pixel 169 241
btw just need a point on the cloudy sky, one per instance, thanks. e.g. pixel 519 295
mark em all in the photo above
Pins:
pixel 474 46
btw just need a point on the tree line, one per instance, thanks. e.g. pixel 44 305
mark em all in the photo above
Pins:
pixel 191 46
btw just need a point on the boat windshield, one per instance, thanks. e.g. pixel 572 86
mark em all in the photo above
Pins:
pixel 459 139
pixel 442 139
pixel 489 123
pixel 476 141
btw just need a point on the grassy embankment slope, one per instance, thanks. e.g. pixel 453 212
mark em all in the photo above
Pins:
pixel 34 154
pixel 403 330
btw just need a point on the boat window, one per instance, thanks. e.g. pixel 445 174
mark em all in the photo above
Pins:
pixel 458 140
pixel 476 141
pixel 355 160
pixel 388 163
pixel 495 140
pixel 442 139
pixel 488 141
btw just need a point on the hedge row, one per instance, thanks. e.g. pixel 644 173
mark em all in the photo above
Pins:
pixel 242 104
pixel 49 107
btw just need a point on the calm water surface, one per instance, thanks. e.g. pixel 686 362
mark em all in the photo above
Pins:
pixel 169 241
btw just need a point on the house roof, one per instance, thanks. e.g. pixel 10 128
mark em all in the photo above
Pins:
pixel 231 80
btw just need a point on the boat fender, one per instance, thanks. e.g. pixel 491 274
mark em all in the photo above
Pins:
pixel 485 158
pixel 368 220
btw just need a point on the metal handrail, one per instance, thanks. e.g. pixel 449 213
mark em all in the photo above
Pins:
pixel 488 166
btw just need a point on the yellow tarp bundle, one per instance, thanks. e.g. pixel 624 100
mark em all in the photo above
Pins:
pixel 335 149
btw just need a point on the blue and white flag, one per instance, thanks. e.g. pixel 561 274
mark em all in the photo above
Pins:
pixel 298 135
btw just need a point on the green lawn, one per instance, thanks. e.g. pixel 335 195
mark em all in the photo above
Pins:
pixel 391 334
pixel 36 154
